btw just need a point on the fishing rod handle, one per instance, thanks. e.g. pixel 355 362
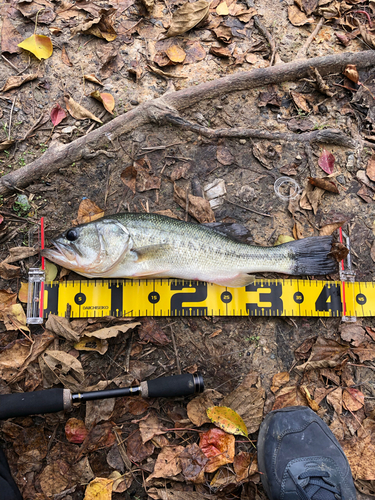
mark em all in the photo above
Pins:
pixel 169 387
pixel 30 403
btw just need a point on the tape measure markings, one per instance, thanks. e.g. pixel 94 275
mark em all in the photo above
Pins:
pixel 172 297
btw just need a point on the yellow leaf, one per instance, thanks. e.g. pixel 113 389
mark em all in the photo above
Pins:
pixel 106 99
pixel 222 9
pixel 39 45
pixel 227 419
pixel 176 54
pixel 283 238
pixel 23 292
pixel 99 489
pixel 92 344
pixel 51 270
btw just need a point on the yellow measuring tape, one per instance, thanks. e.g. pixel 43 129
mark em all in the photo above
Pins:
pixel 173 297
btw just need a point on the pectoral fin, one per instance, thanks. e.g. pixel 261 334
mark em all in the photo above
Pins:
pixel 151 252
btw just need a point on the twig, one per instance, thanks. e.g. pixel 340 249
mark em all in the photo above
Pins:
pixel 175 351
pixel 246 208
pixel 129 344
pixel 10 117
pixel 95 123
pixel 302 53
pixel 275 58
pixel 122 450
pixel 10 63
pixel 62 155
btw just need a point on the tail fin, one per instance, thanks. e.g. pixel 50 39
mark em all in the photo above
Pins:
pixel 311 256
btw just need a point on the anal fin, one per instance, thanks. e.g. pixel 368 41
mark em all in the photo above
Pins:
pixel 236 281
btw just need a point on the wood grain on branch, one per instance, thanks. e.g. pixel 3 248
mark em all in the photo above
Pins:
pixel 62 155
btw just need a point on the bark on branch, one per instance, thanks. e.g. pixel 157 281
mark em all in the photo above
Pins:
pixel 61 155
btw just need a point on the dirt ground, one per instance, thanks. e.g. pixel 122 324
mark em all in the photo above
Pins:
pixel 224 350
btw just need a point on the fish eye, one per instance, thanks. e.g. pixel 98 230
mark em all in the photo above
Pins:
pixel 72 235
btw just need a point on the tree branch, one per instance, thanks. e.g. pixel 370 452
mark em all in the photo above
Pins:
pixel 62 155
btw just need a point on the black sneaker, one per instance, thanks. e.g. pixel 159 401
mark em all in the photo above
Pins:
pixel 300 459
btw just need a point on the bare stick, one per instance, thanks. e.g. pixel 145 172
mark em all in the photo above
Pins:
pixel 10 117
pixel 175 352
pixel 302 53
pixel 62 155
pixel 247 208
pixel 10 63
pixel 128 350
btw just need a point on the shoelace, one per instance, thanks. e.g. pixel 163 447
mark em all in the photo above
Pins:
pixel 317 488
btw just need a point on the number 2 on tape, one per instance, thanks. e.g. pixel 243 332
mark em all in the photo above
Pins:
pixel 177 299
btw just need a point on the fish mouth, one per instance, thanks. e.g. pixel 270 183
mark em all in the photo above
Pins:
pixel 62 254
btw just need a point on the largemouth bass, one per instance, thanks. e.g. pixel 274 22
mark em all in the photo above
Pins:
pixel 149 245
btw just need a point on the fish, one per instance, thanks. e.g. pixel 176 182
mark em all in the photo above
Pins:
pixel 146 245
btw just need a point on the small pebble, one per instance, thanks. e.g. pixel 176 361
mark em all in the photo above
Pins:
pixel 242 141
pixel 133 102
pixel 341 179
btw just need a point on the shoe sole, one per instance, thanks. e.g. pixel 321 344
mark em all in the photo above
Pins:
pixel 261 440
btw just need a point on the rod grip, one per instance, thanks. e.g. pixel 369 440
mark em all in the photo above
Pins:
pixel 31 403
pixel 177 385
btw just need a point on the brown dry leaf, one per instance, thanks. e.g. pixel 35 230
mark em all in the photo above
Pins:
pixel 121 482
pixel 112 331
pixel 313 404
pixel 176 54
pixel 353 399
pixel 224 156
pixel 146 181
pixel 223 479
pixel 193 462
pixel 187 17
pixel 64 57
pixel 303 351
pixel 365 353
pixel 7 298
pixel 92 344
pixel 289 396
pixel 309 6
pixel 304 202
pixel 366 194
pixel 351 72
pixel 100 436
pixel 219 51
pixel 61 327
pixel 329 229
pixel 370 169
pixel 248 402
pixel 223 33
pixel 297 17
pixel 31 9
pixel 300 101
pixel 168 463
pixel 88 211
pixel 198 207
pixel 92 78
pixel 194 52
pixel 314 195
pixel 338 251
pixel 129 177
pixel 180 171
pixel 150 331
pixel 15 81
pixel 244 465
pixel 101 26
pixel 326 353
pixel 19 354
pixel 360 452
pixel 14 318
pixel 325 184
pixel 8 272
pixel 278 380
pixel 197 407
pixel 218 446
pixel 10 37
pixel 351 332
pixel 150 427
pixel 66 367
pixel 20 253
pixel 77 111
pixel 6 144
pixel 149 4
pixel 164 74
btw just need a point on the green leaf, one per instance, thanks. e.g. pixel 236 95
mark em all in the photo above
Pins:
pixel 227 419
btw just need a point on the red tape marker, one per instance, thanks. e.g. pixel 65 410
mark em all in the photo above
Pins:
pixel 41 310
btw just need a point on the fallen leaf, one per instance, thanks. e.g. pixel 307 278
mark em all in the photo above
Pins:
pixel 370 331
pixel 146 181
pixel 77 111
pixel 66 367
pixel 92 344
pixel 198 207
pixel 224 156
pixel 99 489
pixel 313 404
pixel 14 318
pixel 54 30
pixel 325 184
pixel 300 101
pixel 244 465
pixel 100 436
pixel 113 331
pixel 129 177
pixel 300 125
pixel 223 33
pixel 338 252
pixel 180 172
pixel 248 402
pixel 164 74
pixel 351 72
pixel 64 57
pixel 150 331
pixel 92 78
pixel 168 463
pixel 193 462
pixel 187 17
pixel 360 451
pixel 351 332
pixel 57 114
pixel 329 229
pixel 10 37
pixel 325 353
pixel 41 8
pixel 50 271
pixel 370 170
pixel 197 407
pixel 278 380
pixel 151 427
pixel 289 396
pixel 222 9
pixel 6 145
pixel 218 446
pixel 251 58
pixel 75 431
pixel 219 51
pixel 15 81
pixel 353 399
pixel 22 293
pixel 326 161
pixel 223 479
pixel 194 52
pixel 101 26
pixel 39 45
pixel 227 419
pixel 149 4
pixel 175 54
pixel 297 17
pixel 121 482
pixel 106 99
pixel 309 6
pixel 137 451
pixel 20 253
pixel 313 195
pixel 88 211
pixel 61 327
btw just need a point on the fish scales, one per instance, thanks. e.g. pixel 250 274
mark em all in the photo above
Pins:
pixel 150 245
